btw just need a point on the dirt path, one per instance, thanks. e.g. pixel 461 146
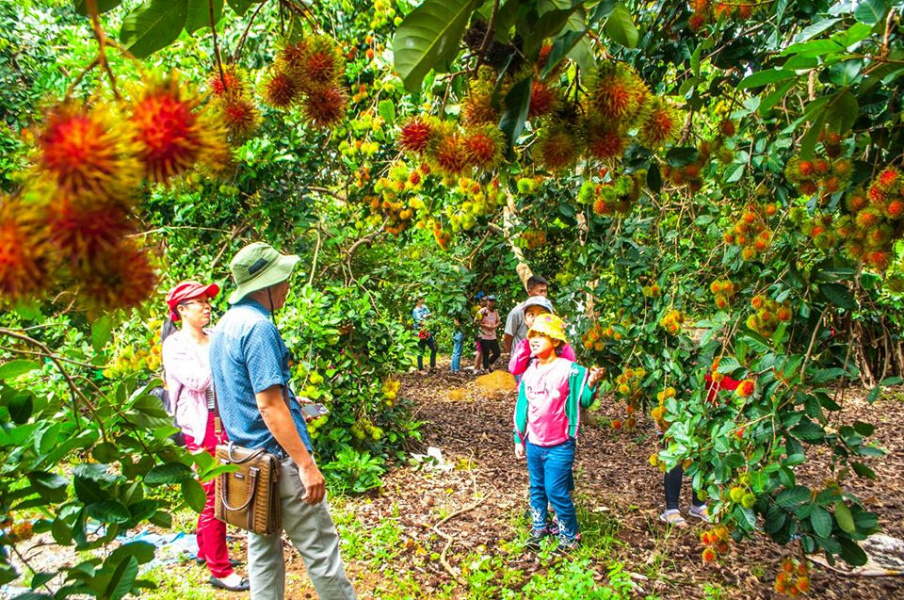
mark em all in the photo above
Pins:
pixel 618 493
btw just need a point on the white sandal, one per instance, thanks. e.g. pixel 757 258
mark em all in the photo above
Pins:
pixel 673 517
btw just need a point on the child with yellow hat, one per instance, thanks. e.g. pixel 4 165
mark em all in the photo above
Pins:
pixel 547 420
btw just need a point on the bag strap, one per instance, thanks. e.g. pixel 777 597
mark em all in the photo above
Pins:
pixel 253 472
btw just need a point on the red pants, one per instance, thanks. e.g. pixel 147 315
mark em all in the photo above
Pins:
pixel 211 533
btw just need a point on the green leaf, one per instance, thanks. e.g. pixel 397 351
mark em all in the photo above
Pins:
pixel 620 27
pixel 842 111
pixel 123 578
pixel 198 14
pixel 153 25
pixel 101 329
pixel 517 104
pixel 50 486
pixel 862 470
pixel 775 97
pixel 386 109
pixel 81 6
pixel 168 473
pixel 21 405
pixel 241 6
pixel 808 142
pixel 429 38
pixel 870 11
pixel 109 511
pixel 839 295
pixel 681 156
pixel 852 553
pixel 194 495
pixel 762 78
pixel 844 518
pixel 808 432
pixel 821 521
pixel 15 368
pixel 792 497
pixel 142 551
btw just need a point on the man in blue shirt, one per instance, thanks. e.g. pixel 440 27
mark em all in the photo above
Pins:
pixel 421 315
pixel 250 366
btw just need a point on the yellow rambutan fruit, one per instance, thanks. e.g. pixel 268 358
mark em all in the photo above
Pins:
pixel 170 135
pixel 867 219
pixel 280 89
pixel 121 278
pixel 544 100
pixel 25 257
pixel 659 125
pixel 618 93
pixel 856 201
pixel 556 148
pixel 483 146
pixel 86 151
pixel 477 107
pixel 325 106
pixel 843 168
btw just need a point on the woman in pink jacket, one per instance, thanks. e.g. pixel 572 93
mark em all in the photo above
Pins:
pixel 186 367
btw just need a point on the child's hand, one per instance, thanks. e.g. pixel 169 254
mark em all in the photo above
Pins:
pixel 519 451
pixel 596 373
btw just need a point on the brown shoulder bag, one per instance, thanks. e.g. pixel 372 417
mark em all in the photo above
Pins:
pixel 249 496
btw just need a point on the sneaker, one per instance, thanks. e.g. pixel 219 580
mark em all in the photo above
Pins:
pixel 700 512
pixel 673 517
pixel 535 539
pixel 567 545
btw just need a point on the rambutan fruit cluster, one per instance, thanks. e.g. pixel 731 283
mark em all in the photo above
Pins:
pixel 876 220
pixel 309 74
pixel 723 291
pixel 715 542
pixel 742 494
pixel 477 106
pixel 398 197
pixel 451 150
pixel 824 231
pixel 671 321
pixel 533 239
pixel 819 176
pixel 71 227
pixel 629 382
pixel 469 201
pixel 596 336
pixel 232 105
pixel 659 412
pixel 751 233
pixel 690 176
pixel 794 578
pixel 705 12
pixel 651 291
pixel 442 235
pixel 768 315
pixel 615 195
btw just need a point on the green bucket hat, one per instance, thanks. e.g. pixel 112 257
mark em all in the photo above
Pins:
pixel 258 266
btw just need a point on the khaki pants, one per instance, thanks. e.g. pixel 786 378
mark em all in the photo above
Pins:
pixel 313 533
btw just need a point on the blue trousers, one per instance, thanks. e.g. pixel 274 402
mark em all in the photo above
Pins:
pixel 550 471
pixel 456 354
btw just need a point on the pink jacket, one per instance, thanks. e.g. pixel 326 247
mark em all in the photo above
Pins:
pixel 521 356
pixel 187 380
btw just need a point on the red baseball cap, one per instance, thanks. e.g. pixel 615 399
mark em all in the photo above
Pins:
pixel 187 290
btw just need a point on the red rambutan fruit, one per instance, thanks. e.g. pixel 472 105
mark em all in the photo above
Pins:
pixel 831 184
pixel 121 278
pixel 727 128
pixel 806 168
pixel 281 90
pixel 843 168
pixel 415 135
pixel 808 188
pixel 83 227
pixel 227 82
pixel 602 208
pixel 237 114
pixel 618 93
pixel 856 201
pixel 556 149
pixel 85 151
pixel 746 388
pixel 895 209
pixel 170 135
pixel 483 147
pixel 325 107
pixel 25 257
pixel 821 166
pixel 320 65
pixel 879 260
pixel 696 21
pixel 604 142
pixel 447 152
pixel 544 100
pixel 867 219
pixel 887 179
pixel 660 124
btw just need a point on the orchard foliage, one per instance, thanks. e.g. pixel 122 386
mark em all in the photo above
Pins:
pixel 716 188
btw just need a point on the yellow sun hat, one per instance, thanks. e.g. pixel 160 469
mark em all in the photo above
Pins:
pixel 550 326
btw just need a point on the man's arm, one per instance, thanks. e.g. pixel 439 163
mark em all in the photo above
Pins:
pixel 278 420
pixel 512 322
